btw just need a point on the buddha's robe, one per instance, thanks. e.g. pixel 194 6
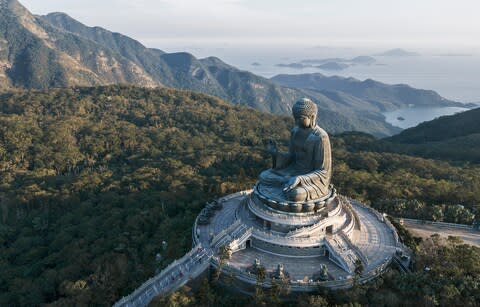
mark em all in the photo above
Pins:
pixel 310 158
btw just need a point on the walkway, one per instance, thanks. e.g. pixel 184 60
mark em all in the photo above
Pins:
pixel 375 240
pixel 425 230
pixel 171 278
pixel 191 264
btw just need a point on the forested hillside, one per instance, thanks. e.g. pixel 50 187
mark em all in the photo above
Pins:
pixel 92 180
pixel 441 129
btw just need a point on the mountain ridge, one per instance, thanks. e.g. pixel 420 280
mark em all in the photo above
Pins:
pixel 42 56
pixel 55 50
pixel 75 41
pixel 393 96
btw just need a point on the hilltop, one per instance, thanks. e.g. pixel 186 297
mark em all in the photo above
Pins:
pixel 398 52
pixel 454 137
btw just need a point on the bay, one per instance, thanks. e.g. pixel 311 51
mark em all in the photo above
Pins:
pixel 410 117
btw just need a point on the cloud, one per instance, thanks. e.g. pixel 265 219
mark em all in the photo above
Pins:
pixel 310 21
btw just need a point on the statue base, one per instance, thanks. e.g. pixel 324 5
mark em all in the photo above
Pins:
pixel 274 198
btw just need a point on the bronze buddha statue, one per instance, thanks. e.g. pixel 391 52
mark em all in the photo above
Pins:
pixel 304 172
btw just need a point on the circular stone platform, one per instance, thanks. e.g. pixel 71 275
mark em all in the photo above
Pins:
pixel 322 246
pixel 274 198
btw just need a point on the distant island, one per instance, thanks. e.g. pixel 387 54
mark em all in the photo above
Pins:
pixel 398 52
pixel 294 65
pixel 333 66
pixel 256 64
pixel 330 63
pixel 361 60
pixel 472 105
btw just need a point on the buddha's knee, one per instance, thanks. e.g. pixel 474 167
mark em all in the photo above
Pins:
pixel 297 194
pixel 270 178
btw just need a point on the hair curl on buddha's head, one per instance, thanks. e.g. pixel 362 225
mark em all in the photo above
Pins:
pixel 304 107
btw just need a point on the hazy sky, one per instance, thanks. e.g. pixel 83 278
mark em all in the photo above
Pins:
pixel 373 23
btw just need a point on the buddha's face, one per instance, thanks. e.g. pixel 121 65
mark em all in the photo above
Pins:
pixel 303 121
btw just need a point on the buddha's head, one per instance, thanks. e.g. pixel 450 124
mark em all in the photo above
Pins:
pixel 305 113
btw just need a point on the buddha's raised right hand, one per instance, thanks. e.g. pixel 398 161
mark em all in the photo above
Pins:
pixel 272 147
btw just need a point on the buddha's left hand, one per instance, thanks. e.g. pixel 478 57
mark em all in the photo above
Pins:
pixel 292 184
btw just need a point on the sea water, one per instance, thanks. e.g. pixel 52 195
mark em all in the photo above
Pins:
pixel 452 74
pixel 410 117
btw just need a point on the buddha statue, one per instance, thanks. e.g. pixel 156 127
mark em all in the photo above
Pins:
pixel 304 172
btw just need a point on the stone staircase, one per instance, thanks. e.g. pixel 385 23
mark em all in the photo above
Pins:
pixel 341 253
pixel 177 274
pixel 305 231
pixel 355 249
pixel 234 236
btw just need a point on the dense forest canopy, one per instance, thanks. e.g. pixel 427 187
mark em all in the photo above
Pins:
pixel 93 180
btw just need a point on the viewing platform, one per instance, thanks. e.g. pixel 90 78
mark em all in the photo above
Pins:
pixel 333 239
pixel 292 226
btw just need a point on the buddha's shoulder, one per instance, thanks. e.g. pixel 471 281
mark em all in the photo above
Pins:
pixel 319 132
pixel 316 133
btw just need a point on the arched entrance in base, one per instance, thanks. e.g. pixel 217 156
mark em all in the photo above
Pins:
pixel 329 230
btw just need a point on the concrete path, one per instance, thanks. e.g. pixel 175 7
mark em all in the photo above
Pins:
pixel 426 230
pixel 375 240
pixel 170 279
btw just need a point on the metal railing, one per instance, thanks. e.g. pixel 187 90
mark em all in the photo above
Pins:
pixel 280 239
pixel 269 215
pixel 349 207
pixel 441 224
pixel 305 286
pixel 352 246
